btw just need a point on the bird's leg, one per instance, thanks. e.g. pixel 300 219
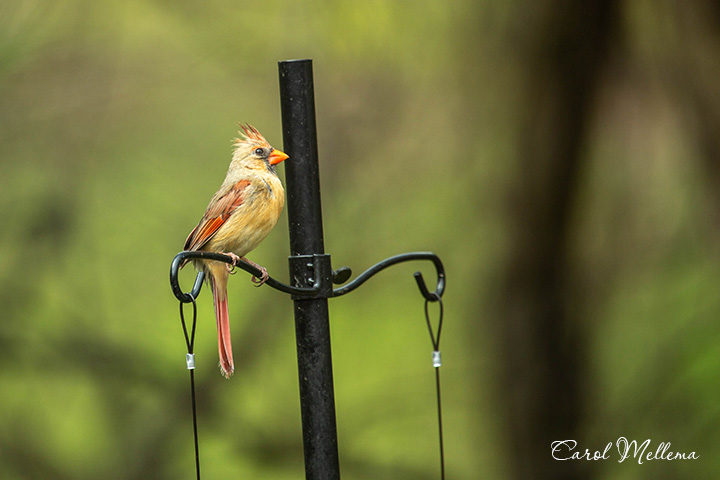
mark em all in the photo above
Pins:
pixel 264 273
pixel 235 259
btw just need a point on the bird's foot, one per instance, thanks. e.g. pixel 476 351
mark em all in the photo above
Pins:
pixel 235 259
pixel 263 278
pixel 263 271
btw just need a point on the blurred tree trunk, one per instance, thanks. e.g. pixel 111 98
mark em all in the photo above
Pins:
pixel 694 69
pixel 561 51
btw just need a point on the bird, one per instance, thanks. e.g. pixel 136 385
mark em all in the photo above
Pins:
pixel 240 215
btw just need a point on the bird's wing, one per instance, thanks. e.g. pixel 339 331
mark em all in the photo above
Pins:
pixel 217 213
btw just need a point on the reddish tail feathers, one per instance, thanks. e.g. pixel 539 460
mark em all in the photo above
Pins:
pixel 223 327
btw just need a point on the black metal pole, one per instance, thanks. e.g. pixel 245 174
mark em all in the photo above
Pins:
pixel 312 326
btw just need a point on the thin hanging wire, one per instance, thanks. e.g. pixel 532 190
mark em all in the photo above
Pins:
pixel 190 360
pixel 437 362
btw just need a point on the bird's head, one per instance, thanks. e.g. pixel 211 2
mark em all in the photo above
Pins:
pixel 254 152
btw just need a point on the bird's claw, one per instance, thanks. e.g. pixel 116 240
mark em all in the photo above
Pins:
pixel 235 260
pixel 263 272
pixel 263 278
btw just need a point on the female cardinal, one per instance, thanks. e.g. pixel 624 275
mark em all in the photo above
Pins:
pixel 240 215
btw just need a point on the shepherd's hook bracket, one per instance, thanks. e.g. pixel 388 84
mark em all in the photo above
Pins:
pixel 319 276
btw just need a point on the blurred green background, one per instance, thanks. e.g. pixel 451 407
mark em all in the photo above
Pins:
pixel 562 158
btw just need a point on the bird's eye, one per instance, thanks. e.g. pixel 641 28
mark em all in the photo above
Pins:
pixel 259 151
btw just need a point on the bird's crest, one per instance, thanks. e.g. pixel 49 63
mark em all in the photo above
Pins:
pixel 251 135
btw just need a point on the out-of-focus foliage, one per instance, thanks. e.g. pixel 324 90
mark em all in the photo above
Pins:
pixel 116 121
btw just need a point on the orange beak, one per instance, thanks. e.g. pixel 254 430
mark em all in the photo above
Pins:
pixel 276 156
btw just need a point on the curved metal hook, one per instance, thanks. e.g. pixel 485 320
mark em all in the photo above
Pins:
pixel 175 284
pixel 181 257
pixel 434 296
pixel 403 257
